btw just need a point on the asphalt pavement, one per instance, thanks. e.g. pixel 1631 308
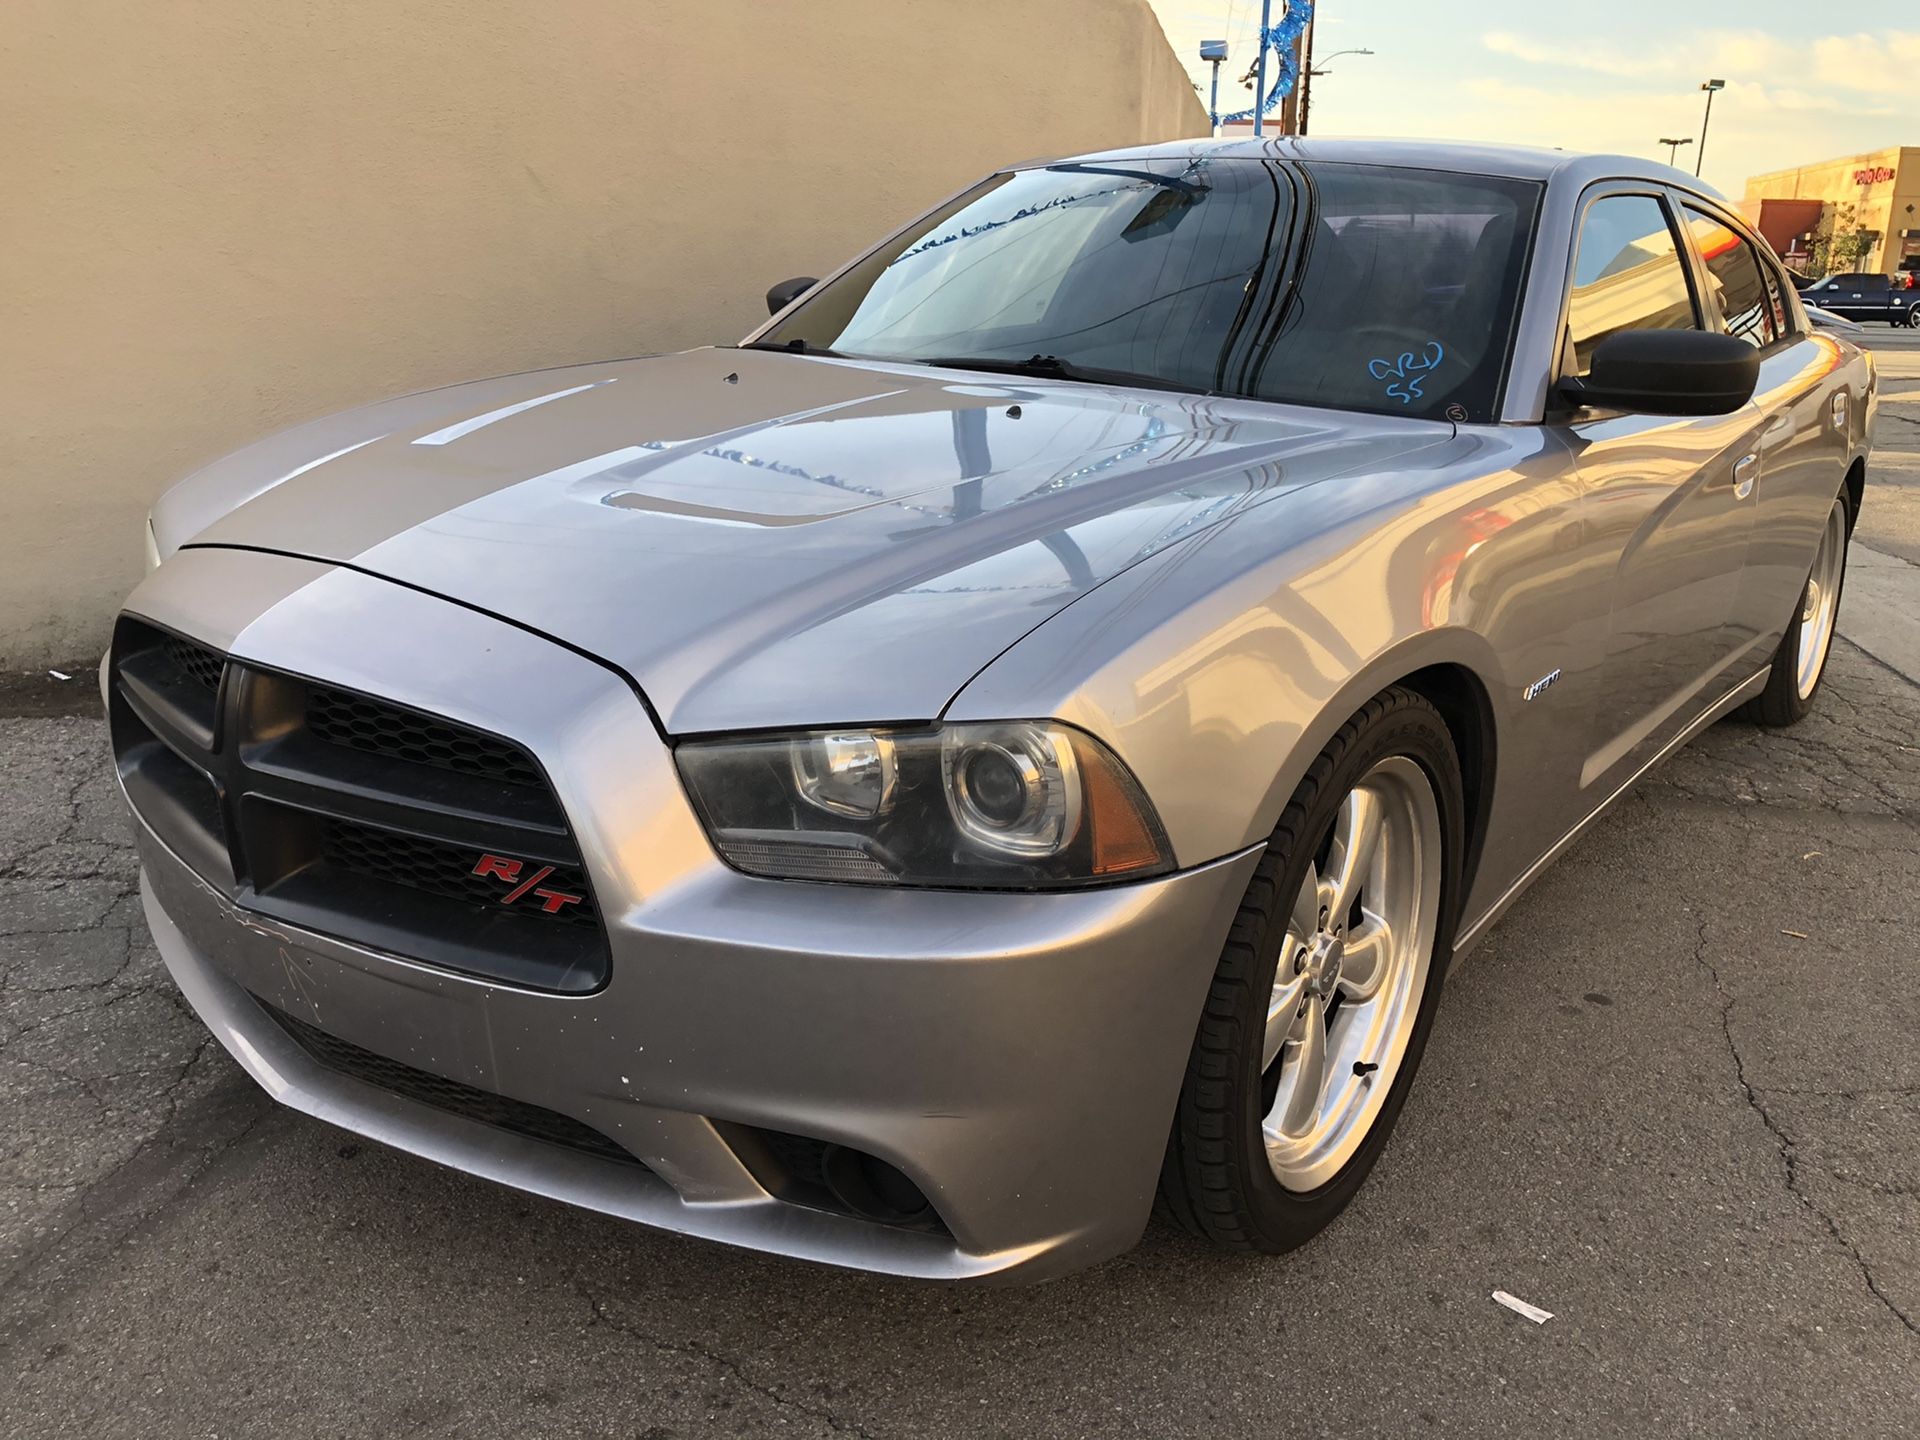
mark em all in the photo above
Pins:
pixel 1674 1099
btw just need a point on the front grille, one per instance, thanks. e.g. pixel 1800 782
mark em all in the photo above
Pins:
pixel 378 728
pixel 354 816
pixel 441 869
pixel 195 662
pixel 450 1095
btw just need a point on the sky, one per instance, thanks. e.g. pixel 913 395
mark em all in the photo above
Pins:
pixel 1805 81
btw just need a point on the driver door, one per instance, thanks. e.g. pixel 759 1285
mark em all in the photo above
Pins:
pixel 1665 498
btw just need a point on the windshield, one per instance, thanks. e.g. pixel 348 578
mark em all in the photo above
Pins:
pixel 1360 287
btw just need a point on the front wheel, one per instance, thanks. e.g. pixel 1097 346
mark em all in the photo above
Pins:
pixel 1322 1000
pixel 1800 664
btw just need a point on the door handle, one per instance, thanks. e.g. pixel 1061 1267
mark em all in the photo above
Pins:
pixel 1745 471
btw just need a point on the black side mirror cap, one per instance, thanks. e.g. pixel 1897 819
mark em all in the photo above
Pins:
pixel 788 291
pixel 1667 372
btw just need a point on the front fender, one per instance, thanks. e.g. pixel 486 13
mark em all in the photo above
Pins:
pixel 1220 668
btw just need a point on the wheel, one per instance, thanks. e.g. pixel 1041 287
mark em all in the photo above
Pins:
pixel 1323 997
pixel 1913 317
pixel 1801 661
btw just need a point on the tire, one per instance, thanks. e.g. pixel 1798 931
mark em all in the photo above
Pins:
pixel 1913 318
pixel 1221 1179
pixel 1793 680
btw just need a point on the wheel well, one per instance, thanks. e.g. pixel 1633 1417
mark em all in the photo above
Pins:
pixel 1456 692
pixel 1856 491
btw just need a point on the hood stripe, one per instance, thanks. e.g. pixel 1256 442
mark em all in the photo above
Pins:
pixel 480 422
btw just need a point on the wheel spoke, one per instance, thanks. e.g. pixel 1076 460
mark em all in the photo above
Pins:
pixel 1305 920
pixel 1363 967
pixel 1356 835
pixel 1284 1005
pixel 1305 1073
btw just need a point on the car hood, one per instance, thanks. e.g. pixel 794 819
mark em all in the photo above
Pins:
pixel 761 539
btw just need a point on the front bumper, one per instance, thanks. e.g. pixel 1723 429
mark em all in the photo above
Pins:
pixel 1016 1056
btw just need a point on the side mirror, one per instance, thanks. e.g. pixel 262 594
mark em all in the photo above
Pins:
pixel 1668 372
pixel 788 291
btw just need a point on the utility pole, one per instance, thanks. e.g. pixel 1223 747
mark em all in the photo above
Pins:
pixel 1306 75
pixel 1260 70
pixel 1700 151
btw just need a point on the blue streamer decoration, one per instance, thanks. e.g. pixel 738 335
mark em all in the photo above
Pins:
pixel 1281 38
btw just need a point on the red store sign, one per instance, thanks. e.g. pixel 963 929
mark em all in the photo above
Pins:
pixel 1873 175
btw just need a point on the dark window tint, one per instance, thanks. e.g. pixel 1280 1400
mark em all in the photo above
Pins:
pixel 1627 275
pixel 1407 295
pixel 1777 290
pixel 1736 293
pixel 1359 287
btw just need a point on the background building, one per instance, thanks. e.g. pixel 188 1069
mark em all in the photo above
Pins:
pixel 228 217
pixel 1875 196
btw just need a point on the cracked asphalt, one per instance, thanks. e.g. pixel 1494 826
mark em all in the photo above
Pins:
pixel 1674 1099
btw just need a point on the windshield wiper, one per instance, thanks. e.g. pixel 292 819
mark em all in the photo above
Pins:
pixel 795 346
pixel 1052 367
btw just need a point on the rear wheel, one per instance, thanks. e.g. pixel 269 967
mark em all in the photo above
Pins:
pixel 1913 317
pixel 1800 663
pixel 1322 1000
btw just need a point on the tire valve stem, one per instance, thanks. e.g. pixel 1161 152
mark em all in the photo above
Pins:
pixel 1364 1068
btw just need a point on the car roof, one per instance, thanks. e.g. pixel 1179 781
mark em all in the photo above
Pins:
pixel 1521 162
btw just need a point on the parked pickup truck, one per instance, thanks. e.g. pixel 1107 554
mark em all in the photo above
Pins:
pixel 1866 297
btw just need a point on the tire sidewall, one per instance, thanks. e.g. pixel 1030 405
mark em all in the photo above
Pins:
pixel 1416 731
pixel 1781 703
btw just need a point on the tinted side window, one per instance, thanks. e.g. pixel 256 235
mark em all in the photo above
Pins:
pixel 1777 287
pixel 1872 282
pixel 1736 294
pixel 1627 275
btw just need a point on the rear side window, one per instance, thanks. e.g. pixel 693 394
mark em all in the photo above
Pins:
pixel 1627 275
pixel 1777 299
pixel 1736 291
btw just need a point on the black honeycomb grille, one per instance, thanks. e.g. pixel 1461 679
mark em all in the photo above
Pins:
pixel 359 723
pixel 448 870
pixel 450 1095
pixel 200 665
pixel 354 817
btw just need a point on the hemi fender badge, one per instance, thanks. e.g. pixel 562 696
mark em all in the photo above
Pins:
pixel 1539 685
pixel 499 867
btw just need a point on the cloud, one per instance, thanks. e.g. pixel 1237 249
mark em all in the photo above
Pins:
pixel 1883 64
pixel 1533 52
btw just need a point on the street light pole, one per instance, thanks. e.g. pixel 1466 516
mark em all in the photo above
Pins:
pixel 1700 150
pixel 1307 74
pixel 1260 70
pixel 1214 51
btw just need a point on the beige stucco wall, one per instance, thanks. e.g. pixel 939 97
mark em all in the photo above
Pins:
pixel 221 216
pixel 1887 205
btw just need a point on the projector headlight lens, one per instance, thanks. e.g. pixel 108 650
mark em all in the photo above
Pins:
pixel 1028 804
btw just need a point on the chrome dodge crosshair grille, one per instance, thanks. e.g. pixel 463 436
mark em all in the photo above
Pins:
pixel 351 815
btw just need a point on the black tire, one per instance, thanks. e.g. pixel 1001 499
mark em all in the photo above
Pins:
pixel 1781 704
pixel 1215 1181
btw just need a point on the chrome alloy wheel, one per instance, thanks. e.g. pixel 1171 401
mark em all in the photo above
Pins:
pixel 1821 604
pixel 1352 971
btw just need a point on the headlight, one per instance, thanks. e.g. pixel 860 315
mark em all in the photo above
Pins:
pixel 1019 805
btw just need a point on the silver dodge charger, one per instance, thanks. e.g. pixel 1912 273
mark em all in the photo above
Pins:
pixel 1017 742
